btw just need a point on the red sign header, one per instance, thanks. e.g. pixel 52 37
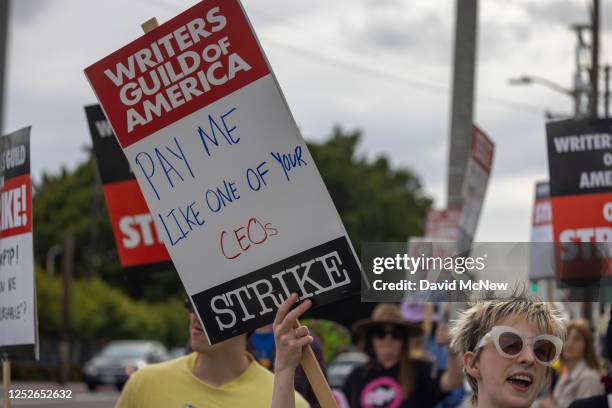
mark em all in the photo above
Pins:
pixel 16 206
pixel 482 149
pixel 198 57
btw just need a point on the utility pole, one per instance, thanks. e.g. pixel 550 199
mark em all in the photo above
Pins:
pixel 4 11
pixel 67 273
pixel 607 90
pixel 582 88
pixel 463 97
pixel 587 307
pixel 593 99
pixel 94 258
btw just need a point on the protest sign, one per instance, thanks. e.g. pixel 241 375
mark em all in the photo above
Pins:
pixel 18 317
pixel 443 224
pixel 459 224
pixel 580 166
pixel 541 257
pixel 138 242
pixel 475 182
pixel 228 179
pixel 429 246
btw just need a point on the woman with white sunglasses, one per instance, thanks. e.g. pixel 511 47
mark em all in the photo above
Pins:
pixel 507 346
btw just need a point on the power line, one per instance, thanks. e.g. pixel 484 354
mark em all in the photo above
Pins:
pixel 301 28
pixel 377 73
pixel 391 77
pixel 421 84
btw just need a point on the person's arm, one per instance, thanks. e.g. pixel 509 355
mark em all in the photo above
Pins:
pixel 452 378
pixel 289 340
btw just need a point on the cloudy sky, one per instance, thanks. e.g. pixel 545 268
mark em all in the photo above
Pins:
pixel 381 66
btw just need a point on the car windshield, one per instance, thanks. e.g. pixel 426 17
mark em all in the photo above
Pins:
pixel 125 350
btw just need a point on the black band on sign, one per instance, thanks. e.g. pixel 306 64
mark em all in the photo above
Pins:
pixel 324 273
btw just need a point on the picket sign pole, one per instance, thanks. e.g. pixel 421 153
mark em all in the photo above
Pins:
pixel 428 319
pixel 316 378
pixel 309 361
pixel 149 25
pixel 6 380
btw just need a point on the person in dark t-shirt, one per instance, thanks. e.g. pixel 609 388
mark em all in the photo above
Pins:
pixel 391 379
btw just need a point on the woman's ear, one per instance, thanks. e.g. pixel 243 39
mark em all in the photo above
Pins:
pixel 471 364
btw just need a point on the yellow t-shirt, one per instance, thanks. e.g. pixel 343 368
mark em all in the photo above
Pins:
pixel 172 384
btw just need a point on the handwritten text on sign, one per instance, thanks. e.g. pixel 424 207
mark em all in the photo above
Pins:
pixel 170 165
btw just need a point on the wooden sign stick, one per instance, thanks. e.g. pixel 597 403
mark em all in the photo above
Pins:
pixel 317 379
pixel 309 360
pixel 149 25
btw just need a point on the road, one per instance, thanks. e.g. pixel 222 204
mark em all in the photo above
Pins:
pixel 102 398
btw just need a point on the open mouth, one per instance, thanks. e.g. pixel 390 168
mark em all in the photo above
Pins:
pixel 521 382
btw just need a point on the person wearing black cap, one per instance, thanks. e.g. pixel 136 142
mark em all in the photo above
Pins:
pixel 391 378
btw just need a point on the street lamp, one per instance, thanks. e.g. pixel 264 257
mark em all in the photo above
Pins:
pixel 532 79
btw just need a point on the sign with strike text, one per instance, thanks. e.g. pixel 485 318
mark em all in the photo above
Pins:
pixel 443 224
pixel 228 179
pixel 138 242
pixel 580 166
pixel 18 318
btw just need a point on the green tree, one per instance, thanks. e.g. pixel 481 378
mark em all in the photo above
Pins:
pixel 73 200
pixel 101 312
pixel 375 201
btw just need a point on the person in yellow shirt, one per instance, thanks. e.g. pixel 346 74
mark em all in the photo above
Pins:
pixel 221 375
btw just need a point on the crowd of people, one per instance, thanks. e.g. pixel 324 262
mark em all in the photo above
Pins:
pixel 511 352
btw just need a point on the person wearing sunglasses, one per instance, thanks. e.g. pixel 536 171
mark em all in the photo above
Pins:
pixel 392 379
pixel 508 346
pixel 219 375
pixel 580 376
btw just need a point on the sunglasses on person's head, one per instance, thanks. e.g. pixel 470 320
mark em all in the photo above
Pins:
pixel 509 342
pixel 396 332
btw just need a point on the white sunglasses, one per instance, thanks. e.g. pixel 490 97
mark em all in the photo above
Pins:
pixel 510 342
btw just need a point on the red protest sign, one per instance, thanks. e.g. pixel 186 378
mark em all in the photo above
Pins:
pixel 200 56
pixel 15 208
pixel 136 236
pixel 579 160
pixel 582 227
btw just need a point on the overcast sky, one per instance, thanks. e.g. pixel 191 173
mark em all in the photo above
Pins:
pixel 382 66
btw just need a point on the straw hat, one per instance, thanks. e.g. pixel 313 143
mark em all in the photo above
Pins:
pixel 385 313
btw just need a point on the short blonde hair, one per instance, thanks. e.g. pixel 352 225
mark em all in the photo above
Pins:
pixel 478 319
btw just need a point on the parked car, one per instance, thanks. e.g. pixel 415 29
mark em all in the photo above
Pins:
pixel 177 352
pixel 119 359
pixel 340 367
